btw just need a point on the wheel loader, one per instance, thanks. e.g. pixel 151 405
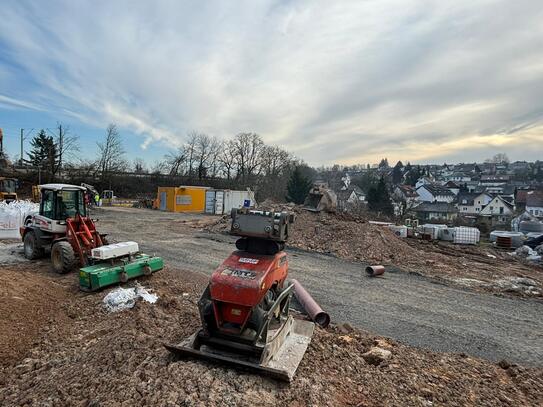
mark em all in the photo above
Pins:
pixel 320 198
pixel 7 189
pixel 63 228
pixel 244 311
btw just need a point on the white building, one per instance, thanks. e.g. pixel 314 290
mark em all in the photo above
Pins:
pixel 434 193
pixel 499 209
pixel 472 203
pixel 534 203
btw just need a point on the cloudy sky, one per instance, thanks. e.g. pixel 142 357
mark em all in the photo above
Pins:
pixel 333 82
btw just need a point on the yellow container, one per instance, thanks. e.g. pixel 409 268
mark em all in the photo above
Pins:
pixel 182 199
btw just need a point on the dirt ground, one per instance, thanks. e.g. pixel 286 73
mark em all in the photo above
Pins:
pixel 66 350
pixel 421 311
pixel 481 267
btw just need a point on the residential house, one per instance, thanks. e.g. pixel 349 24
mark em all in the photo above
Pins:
pixel 423 181
pixel 404 198
pixel 350 197
pixel 472 203
pixel 459 177
pixel 453 187
pixel 472 169
pixel 494 180
pixel 435 211
pixel 499 210
pixel 405 193
pixel 434 193
pixel 534 203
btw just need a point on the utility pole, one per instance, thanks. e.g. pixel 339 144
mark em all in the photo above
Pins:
pixel 60 148
pixel 21 160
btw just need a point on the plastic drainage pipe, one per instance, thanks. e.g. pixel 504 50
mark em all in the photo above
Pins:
pixel 375 270
pixel 313 309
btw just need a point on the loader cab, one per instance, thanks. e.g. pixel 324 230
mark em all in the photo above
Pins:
pixel 60 202
pixel 8 186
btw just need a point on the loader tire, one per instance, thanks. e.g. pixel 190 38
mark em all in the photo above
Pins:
pixel 31 249
pixel 62 257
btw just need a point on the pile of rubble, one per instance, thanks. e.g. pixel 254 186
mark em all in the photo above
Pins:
pixel 80 356
pixel 525 252
pixel 354 238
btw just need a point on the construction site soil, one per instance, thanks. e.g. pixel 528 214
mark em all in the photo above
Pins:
pixel 61 348
pixel 354 238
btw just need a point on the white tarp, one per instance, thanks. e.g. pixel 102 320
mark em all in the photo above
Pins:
pixel 12 216
pixel 124 298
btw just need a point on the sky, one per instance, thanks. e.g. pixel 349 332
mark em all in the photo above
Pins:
pixel 333 82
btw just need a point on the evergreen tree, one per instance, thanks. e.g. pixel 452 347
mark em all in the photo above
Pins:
pixel 379 198
pixel 43 147
pixel 383 163
pixel 413 176
pixel 44 154
pixel 298 186
pixel 397 173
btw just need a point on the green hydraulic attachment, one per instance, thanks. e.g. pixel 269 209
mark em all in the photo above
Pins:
pixel 104 273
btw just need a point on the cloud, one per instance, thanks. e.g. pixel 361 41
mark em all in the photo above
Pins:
pixel 331 81
pixel 12 103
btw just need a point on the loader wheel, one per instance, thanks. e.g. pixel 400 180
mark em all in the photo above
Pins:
pixel 31 249
pixel 62 257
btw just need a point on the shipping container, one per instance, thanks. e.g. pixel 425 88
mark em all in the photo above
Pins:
pixel 219 201
pixel 182 199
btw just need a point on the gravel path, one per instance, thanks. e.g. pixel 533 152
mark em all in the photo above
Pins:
pixel 415 310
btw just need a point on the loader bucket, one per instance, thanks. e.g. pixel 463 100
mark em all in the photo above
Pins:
pixel 105 273
pixel 287 350
pixel 313 202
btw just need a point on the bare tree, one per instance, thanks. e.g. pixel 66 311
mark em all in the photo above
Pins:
pixel 111 153
pixel 226 159
pixel 276 166
pixel 175 161
pixel 190 149
pixel 159 167
pixel 274 160
pixel 205 153
pixel 500 158
pixel 139 166
pixel 247 148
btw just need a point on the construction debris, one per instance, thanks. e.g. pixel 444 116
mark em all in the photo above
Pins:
pixel 375 356
pixel 125 298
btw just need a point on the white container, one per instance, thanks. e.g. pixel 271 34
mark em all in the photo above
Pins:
pixel 400 231
pixel 112 251
pixel 214 202
pixel 238 199
pixel 446 234
pixel 432 229
pixel 465 235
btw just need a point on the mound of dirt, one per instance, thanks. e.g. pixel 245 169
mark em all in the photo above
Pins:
pixel 354 238
pixel 29 303
pixel 91 357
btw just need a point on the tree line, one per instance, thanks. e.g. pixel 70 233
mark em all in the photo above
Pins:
pixel 244 160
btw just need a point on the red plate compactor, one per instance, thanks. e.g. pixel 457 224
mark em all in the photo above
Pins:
pixel 245 308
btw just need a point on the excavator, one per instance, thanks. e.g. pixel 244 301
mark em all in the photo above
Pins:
pixel 244 311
